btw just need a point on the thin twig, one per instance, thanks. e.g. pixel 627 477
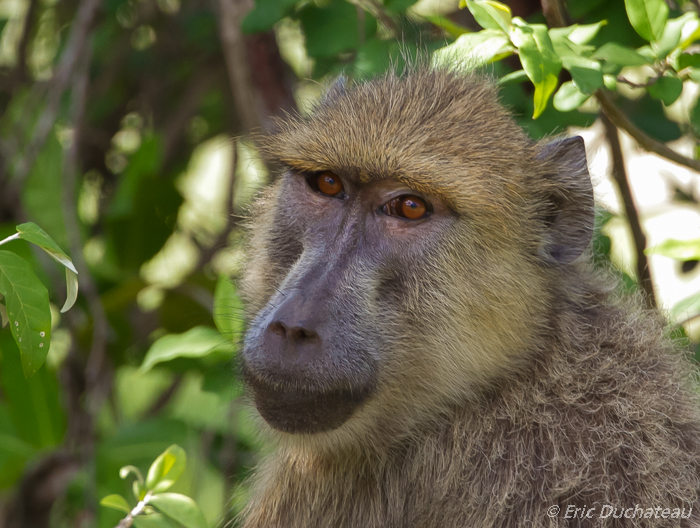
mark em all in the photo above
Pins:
pixel 234 48
pixel 84 19
pixel 127 521
pixel 96 358
pixel 619 173
pixel 21 68
pixel 378 10
pixel 620 120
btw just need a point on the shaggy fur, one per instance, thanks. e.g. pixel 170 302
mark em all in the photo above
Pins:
pixel 509 379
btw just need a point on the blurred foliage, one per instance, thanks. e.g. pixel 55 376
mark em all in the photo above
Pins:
pixel 115 138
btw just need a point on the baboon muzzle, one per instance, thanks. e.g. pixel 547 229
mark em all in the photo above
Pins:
pixel 305 372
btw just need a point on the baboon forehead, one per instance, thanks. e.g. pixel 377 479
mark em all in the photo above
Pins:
pixel 437 131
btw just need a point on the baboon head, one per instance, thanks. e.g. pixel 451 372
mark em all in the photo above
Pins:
pixel 407 258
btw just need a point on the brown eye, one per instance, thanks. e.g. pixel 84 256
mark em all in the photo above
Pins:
pixel 329 184
pixel 406 206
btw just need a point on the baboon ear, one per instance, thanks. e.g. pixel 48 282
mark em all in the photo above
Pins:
pixel 569 222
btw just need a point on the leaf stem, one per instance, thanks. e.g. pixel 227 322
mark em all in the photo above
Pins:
pixel 9 239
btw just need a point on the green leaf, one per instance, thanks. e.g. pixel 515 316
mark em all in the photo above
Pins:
pixel 449 27
pixel 266 14
pixel 154 520
pixel 398 6
pixel 667 89
pixel 181 508
pixel 490 14
pixel 694 74
pixel 586 74
pixel 116 502
pixel 610 82
pixel 686 308
pixel 199 341
pixel 33 233
pixel 513 77
pixel 584 33
pixel 27 302
pixel 569 98
pixel 166 469
pixel 333 28
pixel 476 49
pixel 677 249
pixel 131 470
pixel 539 60
pixel 620 55
pixel 228 309
pixel 689 60
pixel 671 36
pixel 648 17
pixel 34 404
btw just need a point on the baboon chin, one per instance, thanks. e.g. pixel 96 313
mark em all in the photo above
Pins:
pixel 429 341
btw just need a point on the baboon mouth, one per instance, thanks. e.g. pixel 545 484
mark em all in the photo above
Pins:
pixel 295 411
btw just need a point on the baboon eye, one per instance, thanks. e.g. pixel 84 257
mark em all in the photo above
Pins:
pixel 407 206
pixel 327 183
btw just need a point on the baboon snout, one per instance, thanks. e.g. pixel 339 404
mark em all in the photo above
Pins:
pixel 293 337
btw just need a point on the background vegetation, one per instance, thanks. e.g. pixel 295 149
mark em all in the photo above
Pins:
pixel 123 135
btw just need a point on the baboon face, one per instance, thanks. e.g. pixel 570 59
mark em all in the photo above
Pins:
pixel 404 260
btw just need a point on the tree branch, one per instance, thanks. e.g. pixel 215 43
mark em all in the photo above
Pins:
pixel 620 120
pixel 555 13
pixel 619 173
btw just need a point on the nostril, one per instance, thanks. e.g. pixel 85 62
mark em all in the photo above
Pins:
pixel 302 334
pixel 298 334
pixel 278 328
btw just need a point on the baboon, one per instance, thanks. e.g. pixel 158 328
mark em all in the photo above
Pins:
pixel 430 344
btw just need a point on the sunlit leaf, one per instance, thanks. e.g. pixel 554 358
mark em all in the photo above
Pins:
pixel 648 17
pixel 667 89
pixel 116 502
pixel 475 49
pixel 587 74
pixel 569 98
pixel 181 508
pixel 166 469
pixel 677 249
pixel 490 14
pixel 584 33
pixel 610 82
pixel 686 308
pixel 539 60
pixel 199 341
pixel 36 235
pixel 27 303
pixel 620 55
pixel 671 36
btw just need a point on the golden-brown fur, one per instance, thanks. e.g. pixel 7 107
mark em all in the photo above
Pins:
pixel 509 378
